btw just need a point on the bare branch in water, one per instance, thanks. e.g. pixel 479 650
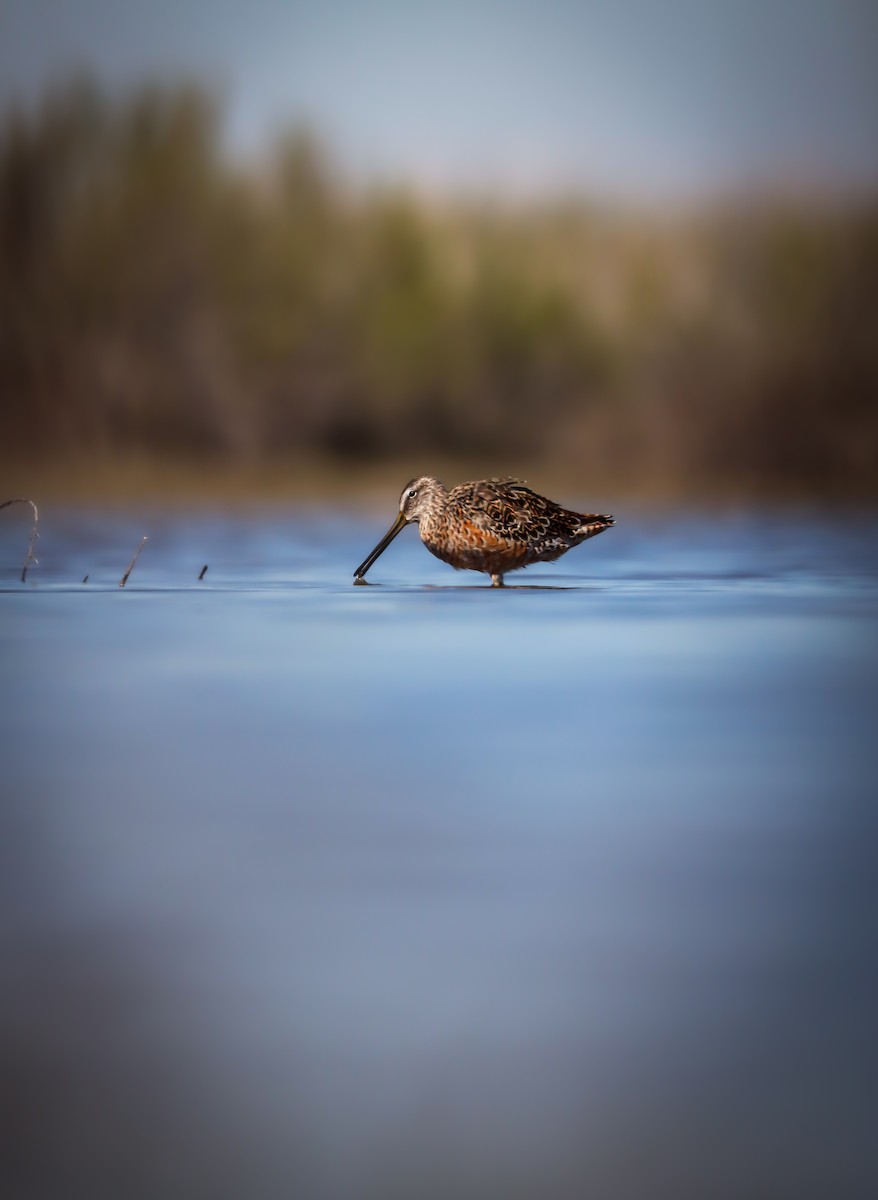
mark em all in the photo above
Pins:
pixel 34 534
pixel 124 578
pixel 203 572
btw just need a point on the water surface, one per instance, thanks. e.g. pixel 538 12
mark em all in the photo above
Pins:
pixel 423 888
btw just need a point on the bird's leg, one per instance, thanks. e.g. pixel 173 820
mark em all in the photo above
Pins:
pixel 497 581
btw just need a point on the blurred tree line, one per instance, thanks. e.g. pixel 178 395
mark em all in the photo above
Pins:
pixel 156 296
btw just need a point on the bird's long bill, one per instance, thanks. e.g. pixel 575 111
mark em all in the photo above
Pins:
pixel 394 529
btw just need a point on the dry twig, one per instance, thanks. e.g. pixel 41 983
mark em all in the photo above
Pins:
pixel 34 534
pixel 124 578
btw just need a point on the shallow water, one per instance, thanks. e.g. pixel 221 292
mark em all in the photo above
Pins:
pixel 426 889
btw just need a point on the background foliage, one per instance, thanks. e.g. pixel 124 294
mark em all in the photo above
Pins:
pixel 158 297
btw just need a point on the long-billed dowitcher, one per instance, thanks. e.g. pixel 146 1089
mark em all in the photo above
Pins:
pixel 492 525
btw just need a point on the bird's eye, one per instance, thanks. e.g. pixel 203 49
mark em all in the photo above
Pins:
pixel 413 493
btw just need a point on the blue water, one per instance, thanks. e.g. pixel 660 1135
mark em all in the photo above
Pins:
pixel 428 889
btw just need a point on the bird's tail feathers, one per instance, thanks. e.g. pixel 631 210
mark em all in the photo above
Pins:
pixel 593 523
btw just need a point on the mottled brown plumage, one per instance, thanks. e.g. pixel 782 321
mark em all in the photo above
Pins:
pixel 491 525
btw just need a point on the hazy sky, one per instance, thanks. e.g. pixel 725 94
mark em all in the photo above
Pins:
pixel 642 96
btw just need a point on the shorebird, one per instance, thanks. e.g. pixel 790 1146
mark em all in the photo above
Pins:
pixel 491 525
